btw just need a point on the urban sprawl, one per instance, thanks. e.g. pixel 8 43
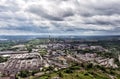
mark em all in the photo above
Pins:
pixel 58 55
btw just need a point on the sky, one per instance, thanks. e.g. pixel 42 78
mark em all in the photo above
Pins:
pixel 60 17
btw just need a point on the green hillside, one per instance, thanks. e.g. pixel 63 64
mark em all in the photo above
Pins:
pixel 86 72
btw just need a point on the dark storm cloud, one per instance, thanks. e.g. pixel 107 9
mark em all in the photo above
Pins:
pixel 45 15
pixel 55 16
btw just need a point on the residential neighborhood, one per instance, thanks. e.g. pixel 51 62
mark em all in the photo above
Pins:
pixel 52 54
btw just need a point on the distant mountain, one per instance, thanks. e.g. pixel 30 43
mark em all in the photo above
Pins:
pixel 29 37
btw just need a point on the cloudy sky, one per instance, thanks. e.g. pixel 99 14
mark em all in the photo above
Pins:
pixel 75 17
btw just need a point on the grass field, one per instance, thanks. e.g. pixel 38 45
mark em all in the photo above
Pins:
pixel 80 73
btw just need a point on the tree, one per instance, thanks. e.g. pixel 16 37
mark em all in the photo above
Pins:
pixel 68 71
pixel 60 74
pixel 89 66
pixel 29 48
pixel 3 59
pixel 50 68
pixel 24 73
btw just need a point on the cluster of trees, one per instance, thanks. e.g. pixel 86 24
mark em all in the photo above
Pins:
pixel 3 59
pixel 38 41
pixel 6 45
pixel 26 73
pixel 29 47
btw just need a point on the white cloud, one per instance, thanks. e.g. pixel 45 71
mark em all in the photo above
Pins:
pixel 60 16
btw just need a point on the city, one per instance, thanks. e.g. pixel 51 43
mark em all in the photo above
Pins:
pixel 44 56
pixel 59 39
